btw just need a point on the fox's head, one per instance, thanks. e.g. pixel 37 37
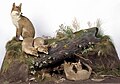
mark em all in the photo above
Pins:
pixel 68 66
pixel 43 48
pixel 16 10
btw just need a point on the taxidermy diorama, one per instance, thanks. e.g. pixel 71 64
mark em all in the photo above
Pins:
pixel 83 55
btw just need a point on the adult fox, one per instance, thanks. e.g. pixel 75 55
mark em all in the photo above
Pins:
pixel 24 27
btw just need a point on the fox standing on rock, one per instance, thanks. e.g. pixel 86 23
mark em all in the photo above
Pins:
pixel 24 27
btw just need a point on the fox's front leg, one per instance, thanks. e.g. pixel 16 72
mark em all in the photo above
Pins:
pixel 18 33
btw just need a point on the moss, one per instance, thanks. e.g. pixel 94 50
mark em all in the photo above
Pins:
pixel 5 66
pixel 16 46
pixel 79 33
pixel 49 41
pixel 29 60
pixel 105 71
pixel 5 82
pixel 11 42
pixel 102 71
pixel 105 47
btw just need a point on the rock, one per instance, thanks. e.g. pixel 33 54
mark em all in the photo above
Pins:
pixel 17 71
pixel 85 45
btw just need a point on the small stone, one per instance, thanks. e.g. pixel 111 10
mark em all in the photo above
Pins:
pixel 99 52
pixel 31 67
pixel 50 61
pixel 33 62
pixel 79 46
pixel 40 65
pixel 66 53
pixel 90 49
pixel 33 72
pixel 49 57
pixel 44 62
pixel 92 46
pixel 44 56
pixel 90 43
pixel 36 64
pixel 31 79
pixel 53 58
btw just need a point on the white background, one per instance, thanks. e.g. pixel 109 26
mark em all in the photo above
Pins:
pixel 47 15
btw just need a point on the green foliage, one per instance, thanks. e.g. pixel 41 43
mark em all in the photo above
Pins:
pixel 64 31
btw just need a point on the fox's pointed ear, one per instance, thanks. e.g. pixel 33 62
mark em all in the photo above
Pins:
pixel 79 61
pixel 65 62
pixel 20 5
pixel 13 4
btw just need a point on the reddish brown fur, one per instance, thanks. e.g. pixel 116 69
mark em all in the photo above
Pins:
pixel 24 27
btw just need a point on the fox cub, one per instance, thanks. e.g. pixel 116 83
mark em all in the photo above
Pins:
pixel 33 46
pixel 27 46
pixel 38 41
pixel 24 27
pixel 39 44
pixel 81 74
